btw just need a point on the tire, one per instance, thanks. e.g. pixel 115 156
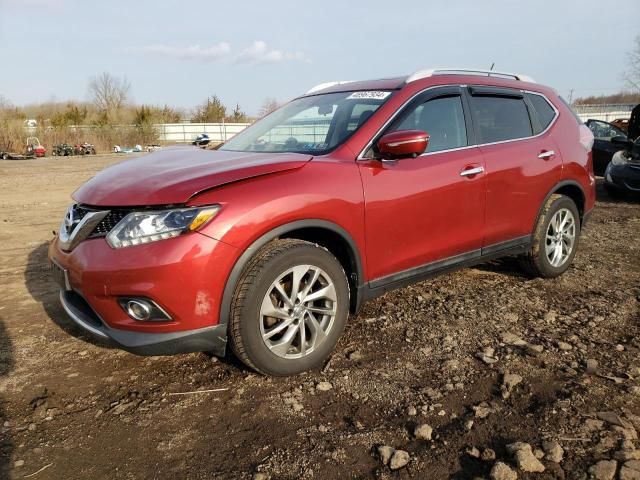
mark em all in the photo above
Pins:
pixel 5 156
pixel 541 260
pixel 256 292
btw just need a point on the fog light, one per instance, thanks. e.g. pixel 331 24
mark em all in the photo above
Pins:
pixel 138 310
pixel 143 309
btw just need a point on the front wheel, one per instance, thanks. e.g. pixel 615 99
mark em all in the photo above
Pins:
pixel 289 308
pixel 555 238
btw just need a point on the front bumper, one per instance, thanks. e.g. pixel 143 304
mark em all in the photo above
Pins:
pixel 210 339
pixel 623 177
pixel 185 276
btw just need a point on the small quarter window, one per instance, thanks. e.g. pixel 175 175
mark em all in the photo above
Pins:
pixel 543 111
pixel 500 118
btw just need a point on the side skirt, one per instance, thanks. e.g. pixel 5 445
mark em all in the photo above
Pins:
pixel 382 285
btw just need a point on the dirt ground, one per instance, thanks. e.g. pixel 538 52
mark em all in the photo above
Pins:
pixel 484 356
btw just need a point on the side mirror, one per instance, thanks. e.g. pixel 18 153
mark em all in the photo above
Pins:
pixel 620 140
pixel 403 144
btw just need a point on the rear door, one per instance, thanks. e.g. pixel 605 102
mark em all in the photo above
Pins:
pixel 522 161
pixel 429 208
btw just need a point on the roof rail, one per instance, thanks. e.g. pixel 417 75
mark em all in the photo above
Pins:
pixel 322 86
pixel 465 71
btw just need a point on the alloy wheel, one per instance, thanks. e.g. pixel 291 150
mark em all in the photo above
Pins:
pixel 298 311
pixel 560 238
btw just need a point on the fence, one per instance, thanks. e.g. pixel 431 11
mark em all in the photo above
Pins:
pixel 312 130
pixel 605 112
pixel 187 132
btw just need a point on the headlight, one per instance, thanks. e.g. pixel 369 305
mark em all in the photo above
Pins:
pixel 619 158
pixel 145 227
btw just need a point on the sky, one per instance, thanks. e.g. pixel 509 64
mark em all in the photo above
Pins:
pixel 179 52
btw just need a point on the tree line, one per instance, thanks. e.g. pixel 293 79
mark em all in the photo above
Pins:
pixel 109 103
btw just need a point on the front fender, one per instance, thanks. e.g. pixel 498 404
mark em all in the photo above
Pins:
pixel 323 194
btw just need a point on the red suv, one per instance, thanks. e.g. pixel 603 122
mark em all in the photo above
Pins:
pixel 350 190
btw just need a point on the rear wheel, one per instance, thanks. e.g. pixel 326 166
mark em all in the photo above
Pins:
pixel 555 238
pixel 289 308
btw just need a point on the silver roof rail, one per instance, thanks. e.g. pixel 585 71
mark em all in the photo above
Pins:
pixel 465 71
pixel 322 86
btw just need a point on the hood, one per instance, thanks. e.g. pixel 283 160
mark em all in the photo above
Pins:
pixel 174 175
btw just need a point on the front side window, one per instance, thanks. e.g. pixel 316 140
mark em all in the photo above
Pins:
pixel 500 118
pixel 442 118
pixel 314 125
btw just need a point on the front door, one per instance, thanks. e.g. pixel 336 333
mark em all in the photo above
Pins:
pixel 430 208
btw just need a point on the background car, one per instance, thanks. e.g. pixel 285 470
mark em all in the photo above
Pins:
pixel 608 139
pixel 201 140
pixel 622 175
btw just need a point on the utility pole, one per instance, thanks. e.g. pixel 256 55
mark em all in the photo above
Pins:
pixel 571 97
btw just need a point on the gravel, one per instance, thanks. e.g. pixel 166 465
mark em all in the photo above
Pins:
pixel 399 459
pixel 603 470
pixel 502 471
pixel 408 359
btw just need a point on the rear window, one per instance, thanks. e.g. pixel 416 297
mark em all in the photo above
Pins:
pixel 501 118
pixel 542 110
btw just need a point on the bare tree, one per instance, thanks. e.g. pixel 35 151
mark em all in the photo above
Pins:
pixel 109 93
pixel 632 75
pixel 269 105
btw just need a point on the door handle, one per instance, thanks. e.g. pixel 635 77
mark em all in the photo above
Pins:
pixel 546 154
pixel 471 171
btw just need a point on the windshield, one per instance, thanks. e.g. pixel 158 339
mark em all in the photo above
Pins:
pixel 313 125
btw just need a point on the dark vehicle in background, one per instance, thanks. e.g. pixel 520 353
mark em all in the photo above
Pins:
pixel 622 175
pixel 201 140
pixel 62 150
pixel 608 139
pixel 65 150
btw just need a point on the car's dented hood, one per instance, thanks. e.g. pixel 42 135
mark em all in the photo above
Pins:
pixel 173 175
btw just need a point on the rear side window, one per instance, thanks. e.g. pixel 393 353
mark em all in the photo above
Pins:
pixel 442 118
pixel 542 110
pixel 500 118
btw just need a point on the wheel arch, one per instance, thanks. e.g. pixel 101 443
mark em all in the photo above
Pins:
pixel 571 189
pixel 326 234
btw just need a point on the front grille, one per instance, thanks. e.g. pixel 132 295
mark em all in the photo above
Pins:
pixel 107 223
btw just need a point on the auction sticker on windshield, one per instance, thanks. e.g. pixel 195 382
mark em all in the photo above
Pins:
pixel 379 95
